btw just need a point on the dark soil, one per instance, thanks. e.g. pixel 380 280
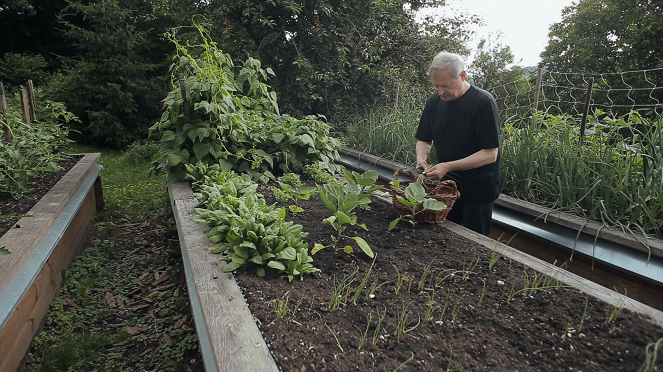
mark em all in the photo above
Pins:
pixel 11 209
pixel 472 325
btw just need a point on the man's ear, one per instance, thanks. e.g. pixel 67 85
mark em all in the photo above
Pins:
pixel 463 76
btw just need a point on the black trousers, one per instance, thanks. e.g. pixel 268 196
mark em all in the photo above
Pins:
pixel 476 217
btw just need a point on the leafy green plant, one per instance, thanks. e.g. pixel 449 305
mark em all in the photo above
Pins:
pixel 232 119
pixel 341 200
pixel 4 251
pixel 249 233
pixel 415 199
pixel 33 148
pixel 290 188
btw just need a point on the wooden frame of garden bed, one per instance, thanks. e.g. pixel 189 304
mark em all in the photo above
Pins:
pixel 41 246
pixel 229 338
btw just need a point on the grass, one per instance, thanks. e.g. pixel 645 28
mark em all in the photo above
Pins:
pixel 614 175
pixel 76 336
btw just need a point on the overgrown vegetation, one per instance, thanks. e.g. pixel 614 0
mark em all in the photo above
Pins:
pixel 33 148
pixel 121 306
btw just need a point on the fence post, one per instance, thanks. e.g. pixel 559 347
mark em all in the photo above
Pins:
pixel 3 108
pixel 537 90
pixel 588 99
pixel 185 103
pixel 31 99
pixel 24 105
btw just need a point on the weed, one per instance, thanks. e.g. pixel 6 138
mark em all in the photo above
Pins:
pixel 439 281
pixel 335 338
pixel 483 293
pixel 341 291
pixel 430 308
pixel 374 287
pixel 467 270
pixel 280 307
pixel 364 333
pixel 403 322
pixel 614 312
pixel 456 309
pixel 405 362
pixel 651 352
pixel 444 308
pixel 399 280
pixel 376 332
pixel 584 314
pixel 362 285
pixel 422 281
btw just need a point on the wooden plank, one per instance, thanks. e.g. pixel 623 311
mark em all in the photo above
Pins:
pixel 568 278
pixel 26 320
pixel 235 340
pixel 20 241
pixel 24 105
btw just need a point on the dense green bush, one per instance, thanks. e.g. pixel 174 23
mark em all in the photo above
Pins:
pixel 232 119
pixel 33 148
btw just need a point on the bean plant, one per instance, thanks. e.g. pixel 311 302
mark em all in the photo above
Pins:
pixel 231 118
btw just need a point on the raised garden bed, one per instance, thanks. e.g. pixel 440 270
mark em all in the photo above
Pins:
pixel 480 318
pixel 41 244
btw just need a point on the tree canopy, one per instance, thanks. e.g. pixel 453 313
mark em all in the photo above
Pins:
pixel 607 36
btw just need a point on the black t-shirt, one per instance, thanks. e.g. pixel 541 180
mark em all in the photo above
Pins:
pixel 458 129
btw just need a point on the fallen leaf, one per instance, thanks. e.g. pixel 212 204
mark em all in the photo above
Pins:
pixel 110 299
pixel 136 330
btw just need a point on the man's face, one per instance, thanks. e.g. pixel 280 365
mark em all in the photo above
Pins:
pixel 448 87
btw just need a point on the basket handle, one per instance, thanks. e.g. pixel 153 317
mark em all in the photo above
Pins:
pixel 409 171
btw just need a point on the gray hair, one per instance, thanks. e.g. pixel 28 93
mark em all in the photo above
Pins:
pixel 447 61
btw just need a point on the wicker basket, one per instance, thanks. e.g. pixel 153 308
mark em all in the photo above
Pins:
pixel 444 191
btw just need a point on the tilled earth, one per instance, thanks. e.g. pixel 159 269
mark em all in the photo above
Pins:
pixel 431 302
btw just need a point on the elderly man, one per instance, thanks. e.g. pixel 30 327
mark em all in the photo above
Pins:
pixel 463 123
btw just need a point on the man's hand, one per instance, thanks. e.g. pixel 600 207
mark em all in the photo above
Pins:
pixel 436 172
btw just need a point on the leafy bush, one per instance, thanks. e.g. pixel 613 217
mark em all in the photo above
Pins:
pixel 233 120
pixel 33 148
pixel 246 231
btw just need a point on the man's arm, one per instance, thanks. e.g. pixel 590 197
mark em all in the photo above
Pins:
pixel 476 160
pixel 422 150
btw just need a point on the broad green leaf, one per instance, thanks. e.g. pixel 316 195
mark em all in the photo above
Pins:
pixel 317 247
pixel 260 272
pixel 434 205
pixel 343 218
pixel 394 223
pixel 4 251
pixel 231 266
pixel 405 202
pixel 329 220
pixel 348 249
pixel 364 246
pixel 242 251
pixel 276 265
pixel 415 192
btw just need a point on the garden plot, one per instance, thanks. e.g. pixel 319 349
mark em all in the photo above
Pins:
pixel 436 299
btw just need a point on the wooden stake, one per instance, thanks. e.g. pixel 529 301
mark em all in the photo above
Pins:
pixel 184 100
pixel 31 98
pixel 537 91
pixel 3 108
pixel 588 100
pixel 25 104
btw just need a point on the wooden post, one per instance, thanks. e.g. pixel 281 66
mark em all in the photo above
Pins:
pixel 24 105
pixel 3 108
pixel 31 99
pixel 537 90
pixel 184 100
pixel 588 99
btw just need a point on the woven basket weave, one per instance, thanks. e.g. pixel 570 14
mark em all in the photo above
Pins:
pixel 444 191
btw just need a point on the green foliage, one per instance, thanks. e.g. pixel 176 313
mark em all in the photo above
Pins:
pixel 606 36
pixel 336 57
pixel 415 199
pixel 341 199
pixel 33 148
pixel 612 175
pixel 110 85
pixel 290 187
pixel 16 69
pixel 233 120
pixel 249 233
